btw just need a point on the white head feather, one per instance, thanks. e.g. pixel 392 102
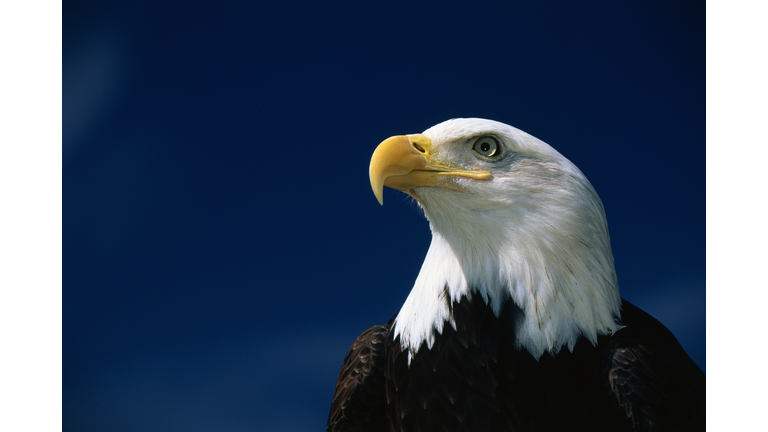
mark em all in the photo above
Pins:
pixel 535 233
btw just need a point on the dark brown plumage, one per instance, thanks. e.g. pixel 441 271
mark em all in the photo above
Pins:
pixel 473 379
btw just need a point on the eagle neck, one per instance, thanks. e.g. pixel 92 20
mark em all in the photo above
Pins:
pixel 561 302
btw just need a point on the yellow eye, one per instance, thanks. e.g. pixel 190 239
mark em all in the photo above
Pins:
pixel 487 146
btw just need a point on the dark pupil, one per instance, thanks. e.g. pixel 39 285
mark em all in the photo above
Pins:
pixel 485 147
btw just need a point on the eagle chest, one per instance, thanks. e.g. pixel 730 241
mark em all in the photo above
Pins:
pixel 474 379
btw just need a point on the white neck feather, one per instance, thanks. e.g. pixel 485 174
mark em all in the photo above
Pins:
pixel 553 260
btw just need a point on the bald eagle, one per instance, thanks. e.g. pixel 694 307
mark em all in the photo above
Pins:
pixel 515 322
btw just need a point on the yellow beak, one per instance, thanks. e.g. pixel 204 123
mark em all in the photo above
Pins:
pixel 404 162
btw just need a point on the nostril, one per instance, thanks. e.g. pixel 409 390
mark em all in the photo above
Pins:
pixel 418 147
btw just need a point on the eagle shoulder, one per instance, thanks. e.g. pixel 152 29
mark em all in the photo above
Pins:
pixel 359 401
pixel 653 381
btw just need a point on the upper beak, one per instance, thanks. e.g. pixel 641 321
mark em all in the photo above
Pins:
pixel 404 162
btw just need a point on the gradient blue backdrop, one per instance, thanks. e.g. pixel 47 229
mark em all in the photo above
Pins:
pixel 222 246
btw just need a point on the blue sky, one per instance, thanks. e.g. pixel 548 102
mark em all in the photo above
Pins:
pixel 222 247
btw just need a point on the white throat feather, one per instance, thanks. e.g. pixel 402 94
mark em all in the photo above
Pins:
pixel 535 234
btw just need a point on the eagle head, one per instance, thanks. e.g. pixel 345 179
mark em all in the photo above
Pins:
pixel 511 220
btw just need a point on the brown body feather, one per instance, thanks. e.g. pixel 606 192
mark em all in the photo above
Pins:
pixel 473 379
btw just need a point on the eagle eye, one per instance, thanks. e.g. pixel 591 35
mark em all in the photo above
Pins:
pixel 487 146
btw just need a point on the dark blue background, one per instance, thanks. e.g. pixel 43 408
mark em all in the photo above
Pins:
pixel 222 247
